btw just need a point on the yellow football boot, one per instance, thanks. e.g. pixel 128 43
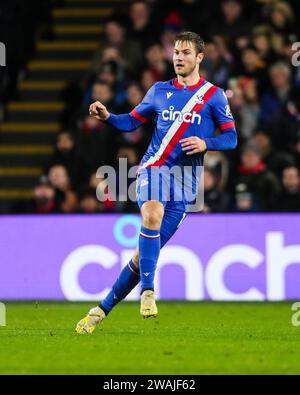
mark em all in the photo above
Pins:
pixel 148 305
pixel 88 324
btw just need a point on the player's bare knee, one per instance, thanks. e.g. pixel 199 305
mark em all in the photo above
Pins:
pixel 152 213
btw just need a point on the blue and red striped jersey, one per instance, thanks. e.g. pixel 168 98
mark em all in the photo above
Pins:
pixel 181 112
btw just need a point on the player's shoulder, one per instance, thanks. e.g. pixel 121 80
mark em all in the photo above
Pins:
pixel 164 84
pixel 162 88
pixel 219 93
pixel 217 88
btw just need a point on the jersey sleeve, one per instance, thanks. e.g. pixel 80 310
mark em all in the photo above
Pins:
pixel 223 120
pixel 139 115
pixel 145 109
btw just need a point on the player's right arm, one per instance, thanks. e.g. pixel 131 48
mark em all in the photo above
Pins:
pixel 126 122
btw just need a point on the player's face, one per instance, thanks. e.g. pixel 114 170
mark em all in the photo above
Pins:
pixel 185 59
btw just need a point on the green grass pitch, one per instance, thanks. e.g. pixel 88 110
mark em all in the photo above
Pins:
pixel 186 338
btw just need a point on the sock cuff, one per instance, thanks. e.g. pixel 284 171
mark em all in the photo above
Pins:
pixel 149 233
pixel 132 267
pixel 103 308
pixel 146 289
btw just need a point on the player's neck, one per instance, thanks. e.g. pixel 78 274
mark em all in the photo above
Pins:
pixel 189 80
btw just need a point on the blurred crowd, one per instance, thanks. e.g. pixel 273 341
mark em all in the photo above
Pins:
pixel 249 54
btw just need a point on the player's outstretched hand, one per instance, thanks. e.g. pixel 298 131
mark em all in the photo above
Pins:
pixel 99 111
pixel 193 145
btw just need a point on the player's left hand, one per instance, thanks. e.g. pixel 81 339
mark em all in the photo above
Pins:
pixel 193 145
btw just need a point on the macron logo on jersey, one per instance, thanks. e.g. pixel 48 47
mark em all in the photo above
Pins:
pixel 169 94
pixel 188 117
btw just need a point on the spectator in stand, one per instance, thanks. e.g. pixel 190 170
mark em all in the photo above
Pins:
pixel 243 200
pixel 60 180
pixel 140 28
pixel 289 199
pixel 216 67
pixel 43 198
pixel 251 108
pixel 261 40
pixel 274 100
pixel 110 55
pixel 222 48
pixel 285 124
pixel 244 102
pixel 108 73
pixel 134 97
pixel 157 64
pixel 130 50
pixel 88 202
pixel 101 90
pixel 253 67
pixel 147 80
pixel 260 182
pixel 282 25
pixel 105 195
pixel 64 142
pixel 108 67
pixel 69 204
pixel 139 137
pixel 96 139
pixel 215 200
pixel 70 157
pixel 233 24
pixel 236 101
pixel 218 163
pixel 275 160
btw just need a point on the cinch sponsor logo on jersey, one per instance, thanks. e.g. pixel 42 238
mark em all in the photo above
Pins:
pixel 189 117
